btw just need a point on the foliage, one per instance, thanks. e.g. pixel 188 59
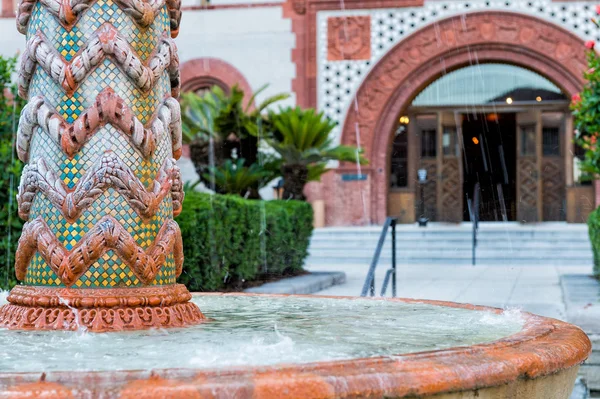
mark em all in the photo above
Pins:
pixel 236 178
pixel 228 239
pixel 302 138
pixel 586 114
pixel 220 126
pixel 10 170
pixel 222 114
pixel 594 233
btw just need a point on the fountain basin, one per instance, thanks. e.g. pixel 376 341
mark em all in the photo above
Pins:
pixel 267 346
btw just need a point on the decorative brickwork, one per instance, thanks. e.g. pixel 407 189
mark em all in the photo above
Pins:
pixel 204 72
pixel 421 58
pixel 349 38
pixel 303 14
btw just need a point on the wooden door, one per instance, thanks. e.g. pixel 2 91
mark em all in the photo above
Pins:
pixel 426 147
pixel 553 178
pixel 529 160
pixel 449 166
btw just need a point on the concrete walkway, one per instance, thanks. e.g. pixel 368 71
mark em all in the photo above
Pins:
pixel 535 289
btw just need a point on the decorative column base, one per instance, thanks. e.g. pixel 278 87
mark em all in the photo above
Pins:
pixel 99 310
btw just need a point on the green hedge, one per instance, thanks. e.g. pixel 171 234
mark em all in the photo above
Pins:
pixel 10 172
pixel 594 232
pixel 224 242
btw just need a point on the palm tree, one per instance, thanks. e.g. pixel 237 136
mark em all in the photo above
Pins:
pixel 220 126
pixel 302 138
pixel 234 177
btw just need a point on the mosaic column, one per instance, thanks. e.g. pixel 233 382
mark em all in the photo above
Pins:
pixel 99 134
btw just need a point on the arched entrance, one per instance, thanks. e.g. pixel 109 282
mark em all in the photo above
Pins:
pixel 414 63
pixel 202 73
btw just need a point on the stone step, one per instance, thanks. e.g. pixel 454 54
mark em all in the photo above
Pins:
pixel 341 257
pixel 349 235
pixel 434 245
pixel 438 243
pixel 339 262
pixel 362 252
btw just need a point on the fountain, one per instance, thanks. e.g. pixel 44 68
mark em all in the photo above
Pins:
pixel 100 252
pixel 100 249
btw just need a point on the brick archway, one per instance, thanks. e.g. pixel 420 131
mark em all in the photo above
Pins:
pixel 202 72
pixel 425 56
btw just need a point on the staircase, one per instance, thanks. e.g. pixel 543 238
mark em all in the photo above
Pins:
pixel 552 243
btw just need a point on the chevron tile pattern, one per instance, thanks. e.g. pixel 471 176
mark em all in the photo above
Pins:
pixel 67 12
pixel 68 42
pixel 109 172
pixel 108 109
pixel 106 42
pixel 107 234
pixel 99 133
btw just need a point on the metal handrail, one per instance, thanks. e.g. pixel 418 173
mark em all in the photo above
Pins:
pixel 369 286
pixel 474 205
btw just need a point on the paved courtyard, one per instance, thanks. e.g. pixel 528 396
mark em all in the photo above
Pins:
pixel 536 289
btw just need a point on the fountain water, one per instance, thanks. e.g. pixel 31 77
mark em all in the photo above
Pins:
pixel 101 252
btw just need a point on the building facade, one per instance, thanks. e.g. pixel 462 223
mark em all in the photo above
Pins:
pixel 473 91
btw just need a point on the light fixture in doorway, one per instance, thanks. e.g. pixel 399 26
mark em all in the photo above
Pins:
pixel 404 120
pixel 493 117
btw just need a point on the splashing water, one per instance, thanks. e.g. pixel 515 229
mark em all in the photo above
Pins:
pixel 252 331
pixel 80 329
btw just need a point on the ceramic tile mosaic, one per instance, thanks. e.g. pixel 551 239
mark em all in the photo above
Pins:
pixel 109 270
pixel 69 42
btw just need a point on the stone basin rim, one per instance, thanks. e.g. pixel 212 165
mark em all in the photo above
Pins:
pixel 543 347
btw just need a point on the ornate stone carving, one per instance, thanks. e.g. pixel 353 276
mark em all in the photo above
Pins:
pixel 108 108
pixel 106 42
pixel 349 38
pixel 109 172
pixel 99 310
pixel 143 12
pixel 69 265
pixel 299 6
pixel 100 320
pixel 100 249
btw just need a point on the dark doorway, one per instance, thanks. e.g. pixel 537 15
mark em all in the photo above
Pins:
pixel 490 160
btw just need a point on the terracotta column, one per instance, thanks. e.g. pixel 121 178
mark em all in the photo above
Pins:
pixel 99 134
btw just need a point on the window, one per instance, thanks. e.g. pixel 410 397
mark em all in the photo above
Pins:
pixel 484 84
pixel 428 143
pixel 399 163
pixel 528 140
pixel 551 141
pixel 449 141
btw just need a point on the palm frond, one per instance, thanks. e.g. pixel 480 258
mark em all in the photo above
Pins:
pixel 303 137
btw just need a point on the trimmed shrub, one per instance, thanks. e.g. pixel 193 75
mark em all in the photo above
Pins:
pixel 594 232
pixel 228 239
pixel 10 170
